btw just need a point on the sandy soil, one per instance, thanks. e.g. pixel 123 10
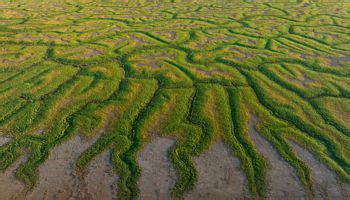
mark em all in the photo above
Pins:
pixel 306 80
pixel 220 176
pixel 209 72
pixel 4 140
pixel 101 178
pixel 325 181
pixel 251 41
pixel 303 81
pixel 154 61
pixel 91 52
pixel 172 35
pixel 118 41
pixel 282 181
pixel 152 64
pixel 139 40
pixel 157 176
pixel 335 61
pixel 10 187
pixel 58 178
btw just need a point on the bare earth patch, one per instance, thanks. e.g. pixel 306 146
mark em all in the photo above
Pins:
pixel 251 41
pixel 154 61
pixel 4 140
pixel 91 52
pixel 304 80
pixel 58 178
pixel 157 175
pixel 119 41
pixel 153 64
pixel 325 182
pixel 139 41
pixel 220 176
pixel 282 180
pixel 335 61
pixel 10 187
pixel 209 72
pixel 101 178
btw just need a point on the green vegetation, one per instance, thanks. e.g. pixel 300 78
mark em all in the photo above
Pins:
pixel 196 72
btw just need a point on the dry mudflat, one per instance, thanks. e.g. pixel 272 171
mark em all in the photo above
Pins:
pixel 158 176
pixel 220 174
pixel 326 183
pixel 282 180
pixel 58 178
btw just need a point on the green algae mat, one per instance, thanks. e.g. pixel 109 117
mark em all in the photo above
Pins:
pixel 197 72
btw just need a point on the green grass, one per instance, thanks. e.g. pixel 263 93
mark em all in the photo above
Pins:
pixel 198 72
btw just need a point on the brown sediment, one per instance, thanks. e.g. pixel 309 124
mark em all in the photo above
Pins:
pixel 15 61
pixel 325 182
pixel 172 35
pixel 120 40
pixel 101 179
pixel 337 61
pixel 209 72
pixel 334 61
pixel 157 175
pixel 30 37
pixel 10 187
pixel 282 180
pixel 139 41
pixel 4 140
pixel 81 52
pixel 41 131
pixel 304 80
pixel 92 52
pixel 251 41
pixel 58 178
pixel 154 60
pixel 152 64
pixel 220 175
